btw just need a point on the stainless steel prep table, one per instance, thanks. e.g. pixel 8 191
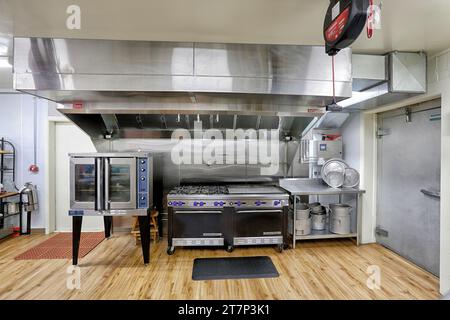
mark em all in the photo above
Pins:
pixel 308 187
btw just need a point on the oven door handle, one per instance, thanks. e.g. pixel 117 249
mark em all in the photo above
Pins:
pixel 107 169
pixel 259 211
pixel 99 192
pixel 197 211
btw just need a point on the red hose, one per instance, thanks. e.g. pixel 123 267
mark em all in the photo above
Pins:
pixel 370 20
pixel 332 73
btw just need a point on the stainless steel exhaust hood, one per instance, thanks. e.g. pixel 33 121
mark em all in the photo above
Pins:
pixel 108 71
pixel 147 89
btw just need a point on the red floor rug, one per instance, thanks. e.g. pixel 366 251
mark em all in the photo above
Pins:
pixel 60 246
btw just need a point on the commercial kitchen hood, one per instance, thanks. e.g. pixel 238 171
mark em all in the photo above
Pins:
pixel 148 89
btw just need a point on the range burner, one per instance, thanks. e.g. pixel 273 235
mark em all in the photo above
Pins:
pixel 201 190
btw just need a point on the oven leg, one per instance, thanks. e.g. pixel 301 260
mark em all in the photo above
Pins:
pixel 107 220
pixel 76 235
pixel 170 247
pixel 144 227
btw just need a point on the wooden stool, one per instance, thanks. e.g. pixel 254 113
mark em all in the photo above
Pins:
pixel 154 227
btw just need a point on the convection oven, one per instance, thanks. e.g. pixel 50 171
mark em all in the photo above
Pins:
pixel 111 184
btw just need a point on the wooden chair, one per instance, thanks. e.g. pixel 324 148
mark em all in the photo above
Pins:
pixel 154 227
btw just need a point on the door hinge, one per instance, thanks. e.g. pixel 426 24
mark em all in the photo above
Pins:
pixel 381 232
pixel 383 132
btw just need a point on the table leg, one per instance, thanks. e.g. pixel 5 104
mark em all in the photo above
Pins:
pixel 144 227
pixel 28 222
pixel 20 215
pixel 358 218
pixel 76 235
pixel 107 221
pixel 294 236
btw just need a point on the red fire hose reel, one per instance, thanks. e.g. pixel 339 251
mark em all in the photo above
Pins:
pixel 344 22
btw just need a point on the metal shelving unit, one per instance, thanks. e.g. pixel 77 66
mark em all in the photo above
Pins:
pixel 7 150
pixel 310 187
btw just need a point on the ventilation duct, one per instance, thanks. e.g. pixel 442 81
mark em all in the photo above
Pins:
pixel 381 80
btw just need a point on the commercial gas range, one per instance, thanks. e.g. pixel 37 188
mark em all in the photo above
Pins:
pixel 227 215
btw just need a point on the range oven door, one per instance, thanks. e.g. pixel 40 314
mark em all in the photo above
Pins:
pixel 120 183
pixel 83 183
pixel 258 223
pixel 198 223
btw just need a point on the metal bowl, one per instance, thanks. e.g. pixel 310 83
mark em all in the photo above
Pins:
pixel 333 172
pixel 351 178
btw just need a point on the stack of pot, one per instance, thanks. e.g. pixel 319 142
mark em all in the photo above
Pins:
pixel 340 218
pixel 303 222
pixel 318 216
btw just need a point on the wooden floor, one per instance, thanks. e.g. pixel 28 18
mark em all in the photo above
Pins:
pixel 114 270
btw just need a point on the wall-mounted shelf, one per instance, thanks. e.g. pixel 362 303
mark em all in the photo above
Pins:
pixel 8 194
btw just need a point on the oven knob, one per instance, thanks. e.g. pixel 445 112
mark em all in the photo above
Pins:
pixel 170 203
pixel 201 203
pixel 143 169
pixel 222 203
pixel 238 203
pixel 143 161
pixel 216 204
pixel 143 179
pixel 142 198
pixel 276 202
pixel 195 203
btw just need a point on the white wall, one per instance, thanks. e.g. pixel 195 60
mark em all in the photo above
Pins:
pixel 351 137
pixel 17 126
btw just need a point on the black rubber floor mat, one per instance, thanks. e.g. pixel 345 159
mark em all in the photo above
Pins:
pixel 233 268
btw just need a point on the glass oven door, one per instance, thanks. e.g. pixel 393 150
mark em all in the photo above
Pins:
pixel 120 183
pixel 82 183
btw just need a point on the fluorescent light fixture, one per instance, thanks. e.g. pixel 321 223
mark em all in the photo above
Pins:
pixel 358 97
pixel 4 63
pixel 3 49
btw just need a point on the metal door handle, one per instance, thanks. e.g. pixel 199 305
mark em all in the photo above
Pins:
pixel 212 234
pixel 434 194
pixel 197 211
pixel 99 184
pixel 106 170
pixel 259 211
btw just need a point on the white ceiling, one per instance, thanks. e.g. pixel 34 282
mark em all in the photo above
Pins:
pixel 409 25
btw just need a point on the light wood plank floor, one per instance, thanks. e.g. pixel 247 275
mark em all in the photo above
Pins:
pixel 114 270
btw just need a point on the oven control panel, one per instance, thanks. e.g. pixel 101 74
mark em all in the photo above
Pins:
pixel 143 183
pixel 248 203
